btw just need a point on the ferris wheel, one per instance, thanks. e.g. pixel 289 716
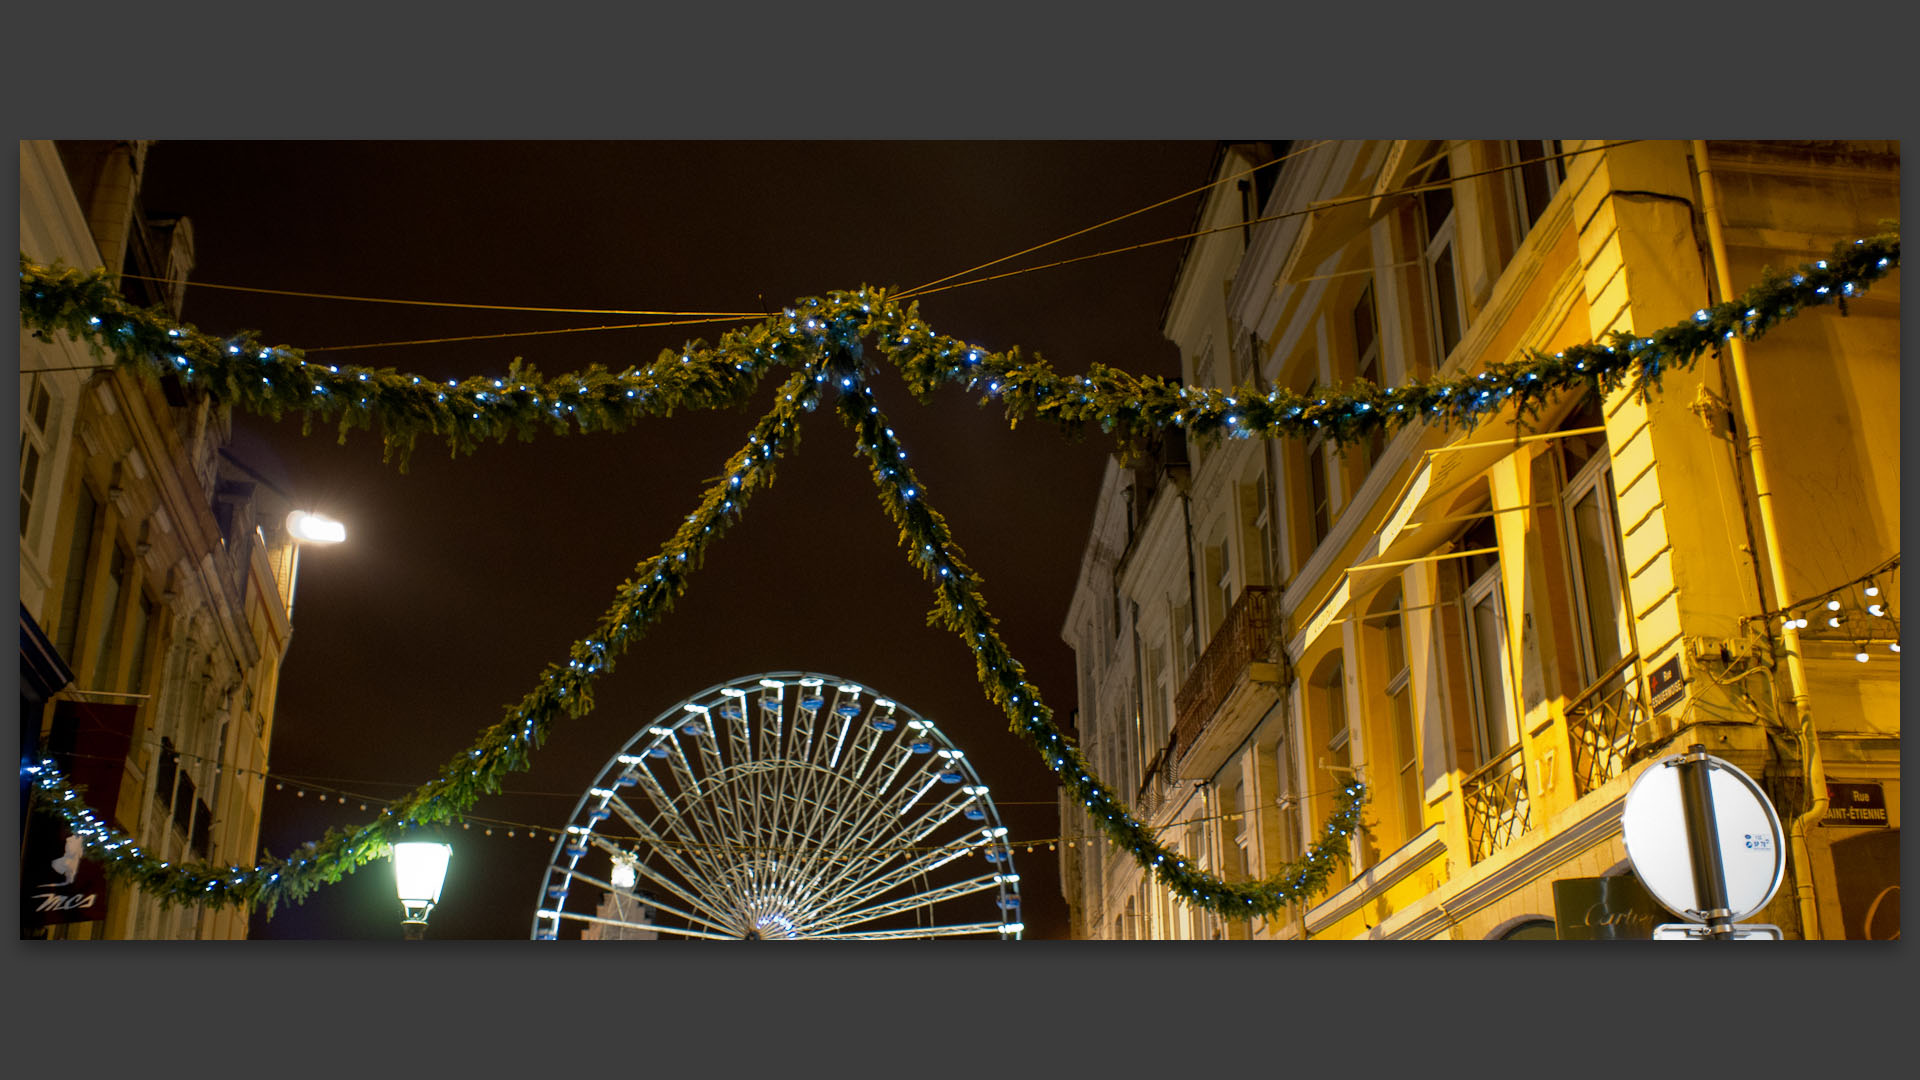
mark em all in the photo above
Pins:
pixel 784 805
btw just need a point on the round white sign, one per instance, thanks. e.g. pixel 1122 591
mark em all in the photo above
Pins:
pixel 1654 826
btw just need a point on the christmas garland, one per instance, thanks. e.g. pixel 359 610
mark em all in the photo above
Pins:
pixel 824 337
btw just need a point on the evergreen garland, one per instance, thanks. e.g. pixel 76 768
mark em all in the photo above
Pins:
pixel 823 338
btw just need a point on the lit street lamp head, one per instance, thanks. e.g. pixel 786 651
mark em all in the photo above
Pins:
pixel 311 528
pixel 419 869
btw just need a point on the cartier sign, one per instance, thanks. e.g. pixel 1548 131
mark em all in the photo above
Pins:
pixel 1616 908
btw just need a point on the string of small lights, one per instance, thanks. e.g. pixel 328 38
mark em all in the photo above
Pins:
pixel 825 339
pixel 1860 611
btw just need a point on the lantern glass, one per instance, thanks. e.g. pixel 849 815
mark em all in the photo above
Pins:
pixel 315 528
pixel 419 869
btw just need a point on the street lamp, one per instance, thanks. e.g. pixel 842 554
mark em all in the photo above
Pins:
pixel 312 528
pixel 307 527
pixel 419 869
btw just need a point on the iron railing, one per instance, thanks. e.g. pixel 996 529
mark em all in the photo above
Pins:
pixel 1600 725
pixel 1153 786
pixel 1244 638
pixel 1496 804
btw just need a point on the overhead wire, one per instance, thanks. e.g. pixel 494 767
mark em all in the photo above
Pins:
pixel 918 289
pixel 454 303
pixel 515 333
pixel 1326 205
pixel 938 285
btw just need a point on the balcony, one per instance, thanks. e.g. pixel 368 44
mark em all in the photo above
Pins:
pixel 1495 799
pixel 1228 691
pixel 1600 727
pixel 1159 783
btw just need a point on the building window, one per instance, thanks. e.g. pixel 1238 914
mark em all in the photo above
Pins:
pixel 1592 523
pixel 1156 684
pixel 1186 649
pixel 1442 260
pixel 1287 763
pixel 1537 175
pixel 1403 772
pixel 1366 344
pixel 74 588
pixel 1333 702
pixel 1536 929
pixel 1330 690
pixel 1256 539
pixel 1220 585
pixel 106 637
pixel 136 680
pixel 33 448
pixel 1496 729
pixel 1319 494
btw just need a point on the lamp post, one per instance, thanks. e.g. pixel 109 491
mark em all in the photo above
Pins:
pixel 307 527
pixel 419 869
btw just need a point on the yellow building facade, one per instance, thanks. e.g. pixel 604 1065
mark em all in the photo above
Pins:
pixel 1499 630
pixel 154 566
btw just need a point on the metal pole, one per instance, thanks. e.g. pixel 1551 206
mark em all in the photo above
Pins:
pixel 1816 773
pixel 1703 843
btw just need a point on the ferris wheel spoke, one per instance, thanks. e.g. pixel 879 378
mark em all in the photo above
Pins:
pixel 680 931
pixel 831 830
pixel 897 905
pixel 939 814
pixel 699 844
pixel 674 853
pixel 708 917
pixel 910 933
pixel 891 876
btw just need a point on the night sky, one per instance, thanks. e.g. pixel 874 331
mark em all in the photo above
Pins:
pixel 462 578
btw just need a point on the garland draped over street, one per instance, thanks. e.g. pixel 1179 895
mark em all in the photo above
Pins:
pixel 831 343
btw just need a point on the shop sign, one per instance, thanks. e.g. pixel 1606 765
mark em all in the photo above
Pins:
pixel 57 883
pixel 1616 908
pixel 1856 806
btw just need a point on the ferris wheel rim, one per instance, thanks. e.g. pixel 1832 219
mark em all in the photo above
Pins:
pixel 827 887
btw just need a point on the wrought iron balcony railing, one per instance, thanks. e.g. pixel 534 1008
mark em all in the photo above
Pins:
pixel 1245 637
pixel 1152 787
pixel 1600 725
pixel 1496 804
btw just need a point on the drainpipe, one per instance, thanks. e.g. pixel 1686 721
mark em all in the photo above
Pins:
pixel 1816 773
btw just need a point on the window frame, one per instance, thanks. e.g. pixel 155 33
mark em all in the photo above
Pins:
pixel 36 417
pixel 1595 478
pixel 1553 173
pixel 1437 239
pixel 1403 722
pixel 1487 587
pixel 1368 364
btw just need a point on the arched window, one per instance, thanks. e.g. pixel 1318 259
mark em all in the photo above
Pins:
pixel 1532 929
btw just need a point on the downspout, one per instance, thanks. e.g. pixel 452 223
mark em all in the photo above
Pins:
pixel 1816 774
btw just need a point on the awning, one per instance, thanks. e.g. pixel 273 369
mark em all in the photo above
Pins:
pixel 1396 172
pixel 1418 523
pixel 1328 228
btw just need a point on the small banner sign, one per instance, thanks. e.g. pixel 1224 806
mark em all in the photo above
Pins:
pixel 58 884
pixel 1856 806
